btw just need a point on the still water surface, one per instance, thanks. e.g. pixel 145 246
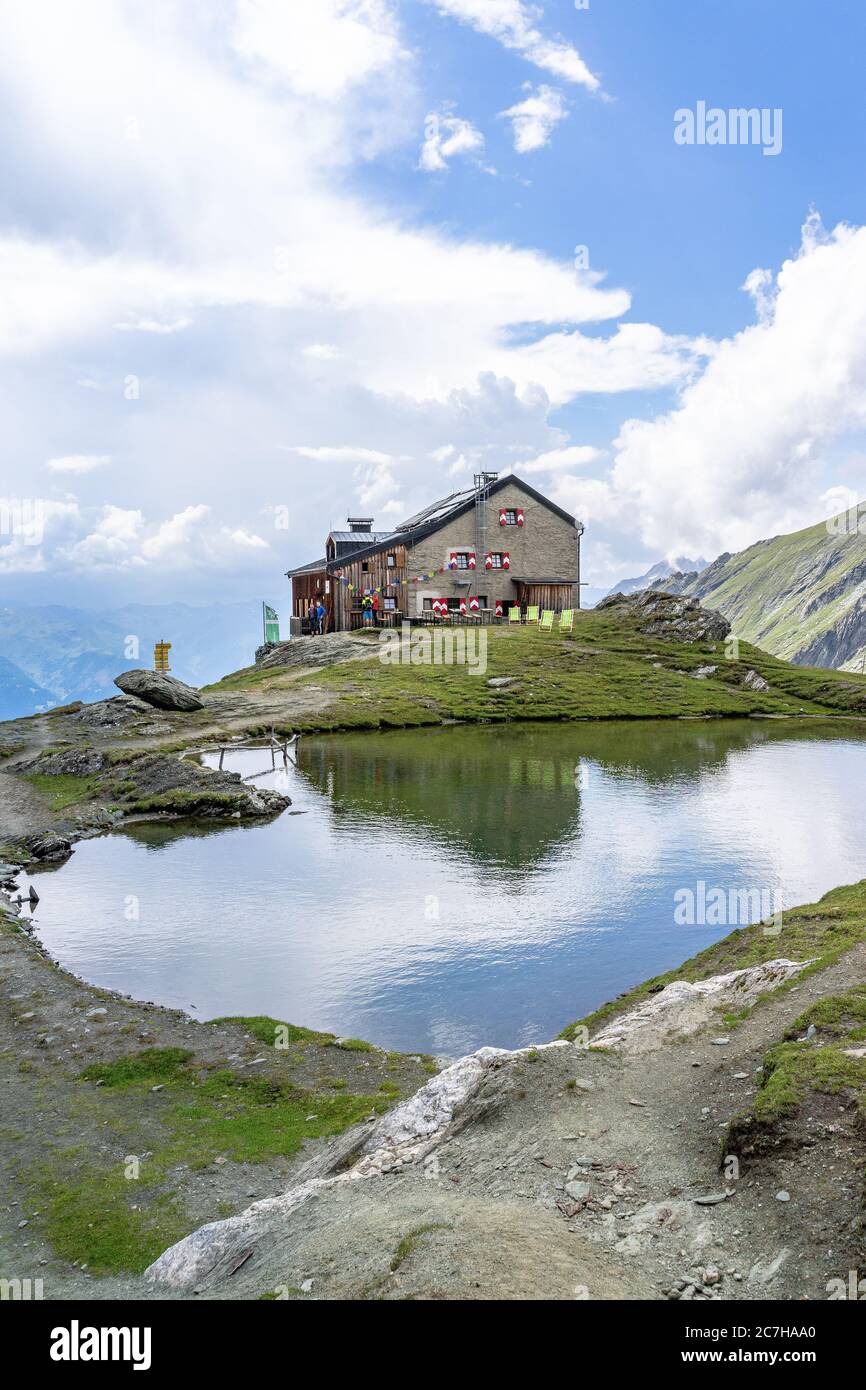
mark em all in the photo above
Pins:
pixel 449 888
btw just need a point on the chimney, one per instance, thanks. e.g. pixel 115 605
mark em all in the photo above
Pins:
pixel 360 523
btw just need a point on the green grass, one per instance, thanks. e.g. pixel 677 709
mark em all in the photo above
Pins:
pixel 410 1242
pixel 798 1066
pixel 64 789
pixel 607 669
pixel 787 592
pixel 153 1065
pixel 98 1217
pixel 269 1030
pixel 92 1213
pixel 186 803
pixel 819 931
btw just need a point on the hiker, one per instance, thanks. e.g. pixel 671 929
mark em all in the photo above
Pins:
pixel 314 618
pixel 376 609
pixel 367 607
pixel 524 604
pixel 322 617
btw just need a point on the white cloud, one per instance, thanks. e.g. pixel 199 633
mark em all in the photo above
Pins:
pixel 342 453
pixel 512 23
pixel 319 47
pixel 534 118
pixel 561 460
pixel 740 457
pixel 408 309
pixel 120 539
pixel 445 136
pixel 78 463
pixel 321 352
pixel 154 326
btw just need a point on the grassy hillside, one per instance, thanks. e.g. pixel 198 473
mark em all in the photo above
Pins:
pixel 607 669
pixel 799 596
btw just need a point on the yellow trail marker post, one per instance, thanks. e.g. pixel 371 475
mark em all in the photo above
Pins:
pixel 160 656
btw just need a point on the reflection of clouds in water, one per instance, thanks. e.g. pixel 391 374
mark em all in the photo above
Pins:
pixel 790 807
pixel 324 918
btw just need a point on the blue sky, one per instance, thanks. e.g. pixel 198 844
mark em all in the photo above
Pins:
pixel 266 262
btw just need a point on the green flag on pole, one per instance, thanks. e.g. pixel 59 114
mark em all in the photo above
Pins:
pixel 271 621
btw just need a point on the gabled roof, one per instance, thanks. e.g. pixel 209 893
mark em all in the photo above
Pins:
pixel 439 510
pixel 353 537
pixel 428 521
pixel 308 569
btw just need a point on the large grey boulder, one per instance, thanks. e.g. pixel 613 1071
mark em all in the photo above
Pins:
pixel 673 618
pixel 157 689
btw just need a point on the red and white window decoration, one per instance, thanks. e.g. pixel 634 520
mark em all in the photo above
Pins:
pixel 474 604
pixel 471 560
pixel 452 560
pixel 520 517
pixel 511 516
pixel 500 610
pixel 488 561
pixel 461 608
pixel 506 560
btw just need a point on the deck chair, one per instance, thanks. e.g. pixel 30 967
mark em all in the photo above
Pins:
pixel 514 615
pixel 546 623
pixel 566 620
pixel 532 614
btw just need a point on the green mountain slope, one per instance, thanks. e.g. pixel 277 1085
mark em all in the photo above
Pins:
pixel 799 596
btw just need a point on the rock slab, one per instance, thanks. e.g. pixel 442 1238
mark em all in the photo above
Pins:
pixel 157 689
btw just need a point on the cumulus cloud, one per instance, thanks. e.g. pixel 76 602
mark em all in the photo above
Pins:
pixel 341 453
pixel 513 24
pixel 320 49
pixel 740 456
pixel 68 538
pixel 78 463
pixel 562 460
pixel 445 136
pixel 534 118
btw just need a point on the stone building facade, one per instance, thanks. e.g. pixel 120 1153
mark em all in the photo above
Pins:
pixel 477 553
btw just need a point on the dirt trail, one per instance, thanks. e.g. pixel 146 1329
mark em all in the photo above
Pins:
pixel 487 1214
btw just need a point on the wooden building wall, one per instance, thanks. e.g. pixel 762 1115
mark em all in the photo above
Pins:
pixel 378 574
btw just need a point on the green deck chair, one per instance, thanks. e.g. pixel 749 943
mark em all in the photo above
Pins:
pixel 566 620
pixel 514 615
pixel 532 614
pixel 546 623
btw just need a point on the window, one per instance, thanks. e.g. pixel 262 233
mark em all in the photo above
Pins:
pixel 510 516
pixel 390 605
pixel 462 560
pixel 365 568
pixel 495 560
pixel 391 561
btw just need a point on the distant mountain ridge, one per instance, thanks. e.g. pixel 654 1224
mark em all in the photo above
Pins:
pixel 800 596
pixel 53 655
pixel 659 571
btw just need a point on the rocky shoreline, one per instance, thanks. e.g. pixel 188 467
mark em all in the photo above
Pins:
pixel 702 1137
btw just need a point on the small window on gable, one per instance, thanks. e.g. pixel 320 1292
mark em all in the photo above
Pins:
pixel 365 568
pixel 391 561
pixel 510 516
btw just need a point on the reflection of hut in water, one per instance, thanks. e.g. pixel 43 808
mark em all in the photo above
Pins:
pixel 510 794
pixel 506 805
